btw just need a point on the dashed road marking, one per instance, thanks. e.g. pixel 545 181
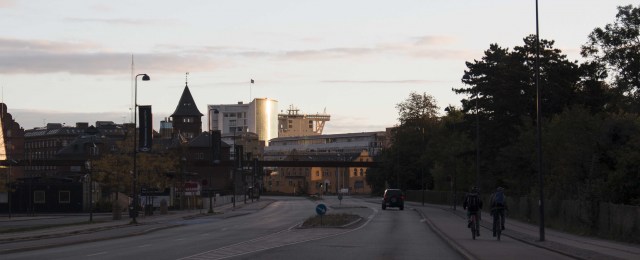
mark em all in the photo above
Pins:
pixel 101 253
pixel 282 238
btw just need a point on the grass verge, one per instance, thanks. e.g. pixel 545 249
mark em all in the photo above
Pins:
pixel 330 220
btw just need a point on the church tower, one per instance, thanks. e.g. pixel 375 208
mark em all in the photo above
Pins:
pixel 187 119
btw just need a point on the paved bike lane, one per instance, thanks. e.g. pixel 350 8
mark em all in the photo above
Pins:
pixel 519 240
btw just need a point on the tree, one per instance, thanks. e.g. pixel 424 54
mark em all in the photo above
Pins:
pixel 618 46
pixel 502 95
pixel 115 167
pixel 417 107
pixel 403 164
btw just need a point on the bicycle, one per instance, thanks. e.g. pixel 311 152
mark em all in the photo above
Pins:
pixel 475 225
pixel 498 221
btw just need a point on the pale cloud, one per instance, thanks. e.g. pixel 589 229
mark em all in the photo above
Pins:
pixel 326 53
pixel 30 46
pixel 40 56
pixel 123 21
pixel 27 57
pixel 102 8
pixel 7 3
pixel 30 118
pixel 434 40
pixel 382 81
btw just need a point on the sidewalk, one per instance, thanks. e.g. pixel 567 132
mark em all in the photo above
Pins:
pixel 452 227
pixel 109 229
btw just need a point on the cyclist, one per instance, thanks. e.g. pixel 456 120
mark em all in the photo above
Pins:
pixel 473 204
pixel 498 206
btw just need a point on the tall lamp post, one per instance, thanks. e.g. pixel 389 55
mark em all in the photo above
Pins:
pixel 477 143
pixel 145 77
pixel 421 131
pixel 453 177
pixel 214 159
pixel 539 129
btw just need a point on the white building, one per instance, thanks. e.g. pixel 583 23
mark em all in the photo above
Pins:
pixel 260 117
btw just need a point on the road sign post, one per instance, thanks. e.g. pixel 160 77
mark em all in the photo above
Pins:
pixel 321 209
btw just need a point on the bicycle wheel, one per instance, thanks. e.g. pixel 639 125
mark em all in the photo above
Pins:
pixel 496 225
pixel 473 227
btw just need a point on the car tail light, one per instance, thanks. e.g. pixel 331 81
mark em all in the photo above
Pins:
pixel 402 197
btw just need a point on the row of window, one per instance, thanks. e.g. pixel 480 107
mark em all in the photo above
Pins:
pixel 40 154
pixel 64 197
pixel 45 143
pixel 237 115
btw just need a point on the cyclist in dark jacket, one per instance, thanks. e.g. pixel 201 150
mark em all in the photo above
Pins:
pixel 473 204
pixel 498 205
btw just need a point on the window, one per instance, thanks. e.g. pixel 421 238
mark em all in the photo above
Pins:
pixel 64 197
pixel 38 197
pixel 187 120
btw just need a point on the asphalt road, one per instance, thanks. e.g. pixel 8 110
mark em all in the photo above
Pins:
pixel 389 234
pixel 272 233
pixel 193 237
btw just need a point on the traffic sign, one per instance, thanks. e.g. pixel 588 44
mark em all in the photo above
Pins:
pixel 321 209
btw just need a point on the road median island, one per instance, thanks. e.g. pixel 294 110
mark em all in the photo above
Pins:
pixel 331 221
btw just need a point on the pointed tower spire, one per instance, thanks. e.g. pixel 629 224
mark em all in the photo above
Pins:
pixel 187 119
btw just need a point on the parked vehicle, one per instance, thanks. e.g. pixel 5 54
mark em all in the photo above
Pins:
pixel 393 198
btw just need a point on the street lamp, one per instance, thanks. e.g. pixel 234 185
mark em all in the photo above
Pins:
pixel 477 143
pixel 422 168
pixel 539 129
pixel 145 77
pixel 453 178
pixel 213 160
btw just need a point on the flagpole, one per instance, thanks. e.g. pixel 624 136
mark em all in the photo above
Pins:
pixel 250 85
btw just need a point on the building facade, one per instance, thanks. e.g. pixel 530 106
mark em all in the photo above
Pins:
pixel 293 123
pixel 259 117
pixel 186 119
pixel 317 180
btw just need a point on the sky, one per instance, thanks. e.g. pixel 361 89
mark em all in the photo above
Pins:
pixel 69 61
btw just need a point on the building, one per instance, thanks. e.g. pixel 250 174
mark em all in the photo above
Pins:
pixel 293 123
pixel 11 150
pixel 314 180
pixel 260 117
pixel 186 119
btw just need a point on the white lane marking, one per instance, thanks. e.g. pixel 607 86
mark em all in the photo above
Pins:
pixel 101 253
pixel 179 239
pixel 147 245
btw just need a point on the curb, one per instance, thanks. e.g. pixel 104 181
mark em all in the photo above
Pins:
pixel 452 243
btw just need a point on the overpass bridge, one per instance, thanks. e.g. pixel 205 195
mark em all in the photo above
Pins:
pixel 227 163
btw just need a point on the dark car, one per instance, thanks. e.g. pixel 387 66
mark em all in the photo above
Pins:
pixel 393 198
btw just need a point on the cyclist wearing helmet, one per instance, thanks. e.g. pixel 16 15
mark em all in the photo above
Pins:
pixel 498 206
pixel 473 204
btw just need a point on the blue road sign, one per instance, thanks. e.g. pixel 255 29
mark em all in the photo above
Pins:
pixel 321 209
